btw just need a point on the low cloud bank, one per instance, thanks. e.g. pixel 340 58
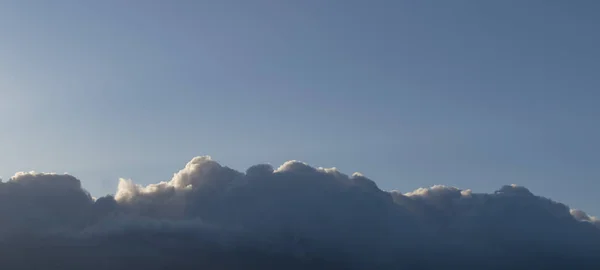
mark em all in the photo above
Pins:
pixel 295 217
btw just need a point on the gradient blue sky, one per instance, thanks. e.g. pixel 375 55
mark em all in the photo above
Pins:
pixel 473 94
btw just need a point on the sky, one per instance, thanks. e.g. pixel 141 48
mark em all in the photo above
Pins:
pixel 472 94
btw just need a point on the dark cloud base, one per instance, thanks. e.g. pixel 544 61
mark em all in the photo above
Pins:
pixel 293 217
pixel 135 253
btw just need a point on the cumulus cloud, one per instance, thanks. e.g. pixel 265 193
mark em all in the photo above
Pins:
pixel 294 216
pixel 582 216
pixel 43 203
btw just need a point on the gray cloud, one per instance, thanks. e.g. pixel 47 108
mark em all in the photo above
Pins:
pixel 43 203
pixel 293 216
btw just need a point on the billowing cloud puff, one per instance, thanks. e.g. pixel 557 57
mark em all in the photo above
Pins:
pixel 209 215
pixel 582 216
pixel 43 202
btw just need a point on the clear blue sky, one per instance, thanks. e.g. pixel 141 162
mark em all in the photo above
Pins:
pixel 473 94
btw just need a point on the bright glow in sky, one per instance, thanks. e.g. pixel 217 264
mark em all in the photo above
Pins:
pixel 473 94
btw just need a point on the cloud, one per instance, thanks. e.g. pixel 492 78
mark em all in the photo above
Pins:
pixel 209 215
pixel 43 203
pixel 582 216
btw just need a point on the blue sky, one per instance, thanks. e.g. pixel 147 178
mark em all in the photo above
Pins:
pixel 473 94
